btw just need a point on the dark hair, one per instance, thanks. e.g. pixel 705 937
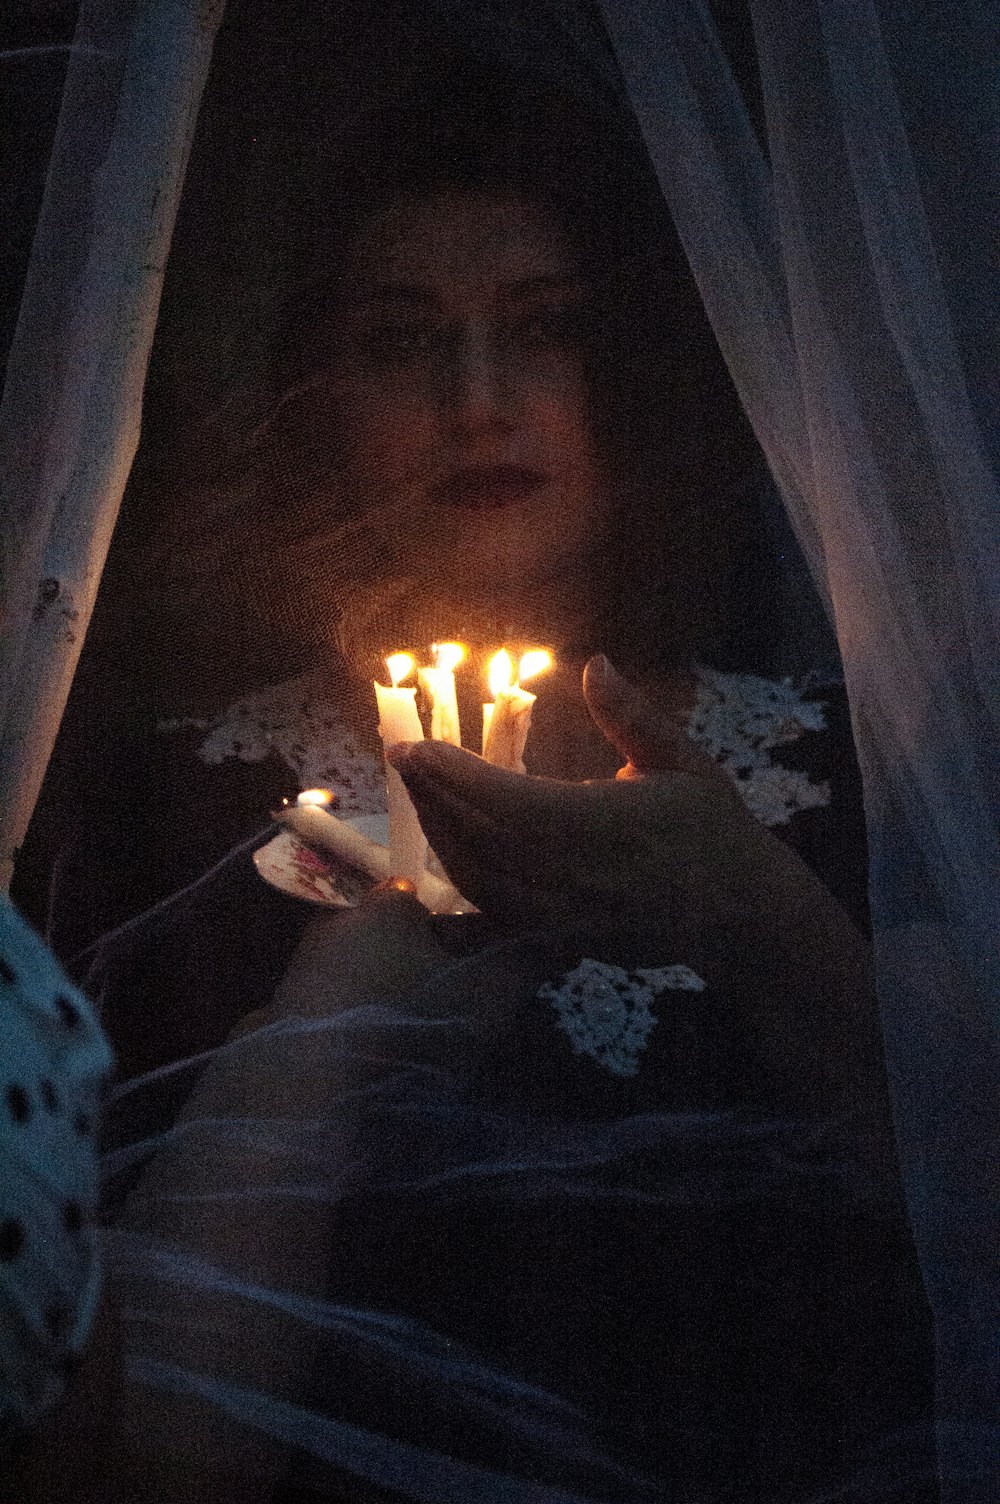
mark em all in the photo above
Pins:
pixel 488 130
pixel 506 130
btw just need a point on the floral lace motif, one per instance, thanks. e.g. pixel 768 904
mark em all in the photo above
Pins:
pixel 738 719
pixel 607 1012
pixel 304 728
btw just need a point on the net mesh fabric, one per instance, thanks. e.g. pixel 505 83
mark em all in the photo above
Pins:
pixel 231 1369
pixel 238 561
pixel 235 526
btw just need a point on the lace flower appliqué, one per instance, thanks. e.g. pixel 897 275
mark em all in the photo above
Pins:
pixel 297 722
pixel 738 719
pixel 607 1012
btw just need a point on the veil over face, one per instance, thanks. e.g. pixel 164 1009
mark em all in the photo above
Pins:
pixel 336 525
pixel 466 434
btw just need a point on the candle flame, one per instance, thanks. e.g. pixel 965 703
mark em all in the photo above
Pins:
pixel 500 672
pixel 447 655
pixel 536 661
pixel 320 798
pixel 400 666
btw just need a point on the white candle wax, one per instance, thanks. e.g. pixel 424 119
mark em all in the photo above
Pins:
pixel 398 721
pixel 506 724
pixel 438 683
pixel 439 686
pixel 324 832
pixel 507 721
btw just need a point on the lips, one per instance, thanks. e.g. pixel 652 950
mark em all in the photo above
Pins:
pixel 486 486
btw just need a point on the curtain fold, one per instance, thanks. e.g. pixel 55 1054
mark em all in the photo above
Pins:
pixel 846 275
pixel 72 400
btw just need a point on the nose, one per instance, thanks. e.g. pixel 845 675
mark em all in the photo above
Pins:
pixel 478 397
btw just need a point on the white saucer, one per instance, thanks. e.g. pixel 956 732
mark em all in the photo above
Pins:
pixel 293 868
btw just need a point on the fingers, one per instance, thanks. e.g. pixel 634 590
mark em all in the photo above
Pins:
pixel 652 740
pixel 509 843
pixel 473 821
pixel 497 793
pixel 495 790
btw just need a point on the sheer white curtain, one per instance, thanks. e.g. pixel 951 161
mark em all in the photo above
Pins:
pixel 72 397
pixel 847 267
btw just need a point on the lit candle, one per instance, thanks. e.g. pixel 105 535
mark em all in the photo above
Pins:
pixel 398 722
pixel 439 685
pixel 507 721
pixel 315 798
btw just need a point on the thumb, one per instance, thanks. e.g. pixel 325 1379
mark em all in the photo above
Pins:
pixel 652 740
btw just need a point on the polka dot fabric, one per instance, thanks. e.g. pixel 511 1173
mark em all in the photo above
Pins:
pixel 53 1059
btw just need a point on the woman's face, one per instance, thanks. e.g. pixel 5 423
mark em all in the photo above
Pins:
pixel 464 417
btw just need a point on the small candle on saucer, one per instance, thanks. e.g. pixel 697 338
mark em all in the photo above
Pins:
pixel 311 818
pixel 316 799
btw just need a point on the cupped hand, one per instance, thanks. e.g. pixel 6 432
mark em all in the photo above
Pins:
pixel 669 852
pixel 668 835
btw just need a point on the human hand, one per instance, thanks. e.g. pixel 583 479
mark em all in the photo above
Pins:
pixel 670 835
pixel 668 852
pixel 345 957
